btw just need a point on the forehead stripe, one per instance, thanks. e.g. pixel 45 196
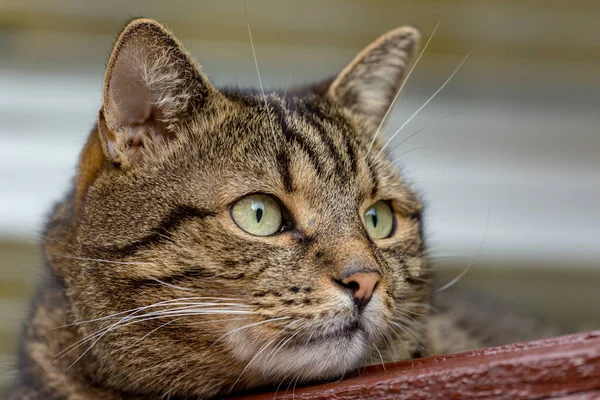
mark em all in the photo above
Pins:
pixel 283 165
pixel 316 118
pixel 374 179
pixel 351 154
pixel 293 136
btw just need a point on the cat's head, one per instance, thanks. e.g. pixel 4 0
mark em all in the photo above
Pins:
pixel 247 238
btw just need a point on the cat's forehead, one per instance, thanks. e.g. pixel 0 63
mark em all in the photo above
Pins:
pixel 302 145
pixel 308 126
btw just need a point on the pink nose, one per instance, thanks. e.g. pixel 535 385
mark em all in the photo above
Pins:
pixel 362 285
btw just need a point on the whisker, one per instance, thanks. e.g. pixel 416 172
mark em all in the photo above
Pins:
pixel 415 329
pixel 258 73
pixel 407 312
pixel 410 323
pixel 387 344
pixel 380 357
pixel 192 310
pixel 310 336
pixel 422 305
pixel 218 320
pixel 248 326
pixel 410 331
pixel 405 316
pixel 136 319
pixel 278 386
pixel 280 346
pixel 405 351
pixel 405 153
pixel 177 319
pixel 288 386
pixel 89 348
pixel 435 124
pixel 417 341
pixel 473 260
pixel 294 388
pixel 395 332
pixel 162 303
pixel 148 316
pixel 287 84
pixel 99 260
pixel 102 332
pixel 408 138
pixel 401 87
pixel 154 330
pixel 263 348
pixel 425 104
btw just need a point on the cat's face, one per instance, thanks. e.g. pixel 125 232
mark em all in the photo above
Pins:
pixel 265 238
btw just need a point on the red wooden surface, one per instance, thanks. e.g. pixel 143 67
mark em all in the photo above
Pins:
pixel 565 367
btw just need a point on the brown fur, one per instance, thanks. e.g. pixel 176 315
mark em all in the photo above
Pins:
pixel 148 221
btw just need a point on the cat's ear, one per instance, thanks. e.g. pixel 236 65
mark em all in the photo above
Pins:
pixel 151 86
pixel 368 85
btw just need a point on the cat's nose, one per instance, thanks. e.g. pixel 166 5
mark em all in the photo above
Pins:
pixel 361 285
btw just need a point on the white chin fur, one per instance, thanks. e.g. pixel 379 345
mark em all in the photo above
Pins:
pixel 318 360
pixel 328 359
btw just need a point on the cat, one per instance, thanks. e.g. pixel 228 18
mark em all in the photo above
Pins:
pixel 216 241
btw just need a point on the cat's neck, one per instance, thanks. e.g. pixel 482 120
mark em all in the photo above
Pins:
pixel 47 369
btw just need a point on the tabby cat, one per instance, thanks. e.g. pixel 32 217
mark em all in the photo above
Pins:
pixel 216 241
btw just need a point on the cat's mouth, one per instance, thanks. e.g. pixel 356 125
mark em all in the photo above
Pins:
pixel 345 333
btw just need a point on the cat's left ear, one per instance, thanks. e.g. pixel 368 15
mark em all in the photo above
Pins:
pixel 151 86
pixel 368 85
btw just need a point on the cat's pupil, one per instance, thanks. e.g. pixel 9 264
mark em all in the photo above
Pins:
pixel 374 220
pixel 259 214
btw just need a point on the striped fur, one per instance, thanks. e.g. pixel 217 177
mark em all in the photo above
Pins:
pixel 148 224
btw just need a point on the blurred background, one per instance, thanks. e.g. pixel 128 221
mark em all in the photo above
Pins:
pixel 508 160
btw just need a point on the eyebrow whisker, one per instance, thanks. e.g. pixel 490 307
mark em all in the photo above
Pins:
pixel 426 103
pixel 258 73
pixel 401 87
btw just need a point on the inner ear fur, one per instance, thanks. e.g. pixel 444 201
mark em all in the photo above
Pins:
pixel 151 86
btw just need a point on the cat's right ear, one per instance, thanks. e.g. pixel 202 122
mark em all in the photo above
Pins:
pixel 151 86
pixel 368 86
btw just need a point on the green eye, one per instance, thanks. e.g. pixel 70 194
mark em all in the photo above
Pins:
pixel 379 220
pixel 258 214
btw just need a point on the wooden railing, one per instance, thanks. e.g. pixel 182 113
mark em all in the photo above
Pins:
pixel 566 367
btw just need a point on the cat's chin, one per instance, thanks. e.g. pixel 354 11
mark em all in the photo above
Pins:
pixel 323 359
pixel 319 359
pixel 326 350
